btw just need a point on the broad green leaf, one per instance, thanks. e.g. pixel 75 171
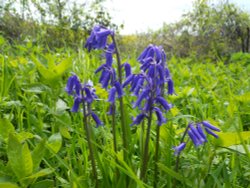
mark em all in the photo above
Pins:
pixel 19 157
pixel 65 132
pixel 38 153
pixel 24 136
pixel 55 142
pixel 6 127
pixel 40 173
pixel 8 185
pixel 63 66
pixel 42 184
pixel 232 138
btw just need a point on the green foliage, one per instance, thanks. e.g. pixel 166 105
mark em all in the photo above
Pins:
pixel 42 143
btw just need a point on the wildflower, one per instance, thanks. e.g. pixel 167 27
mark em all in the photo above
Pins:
pixel 196 132
pixel 98 38
pixel 96 119
pixel 76 105
pixel 138 119
pixel 179 148
pixel 159 115
pixel 127 68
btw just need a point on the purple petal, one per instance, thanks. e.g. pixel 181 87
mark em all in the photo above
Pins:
pixel 179 148
pixel 138 119
pixel 88 97
pixel 170 87
pixel 200 130
pixel 96 119
pixel 112 92
pixel 128 80
pixel 194 138
pixel 76 105
pixel 163 103
pixel 208 125
pixel 211 132
pixel 159 115
pixel 118 89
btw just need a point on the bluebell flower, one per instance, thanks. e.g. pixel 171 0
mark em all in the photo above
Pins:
pixel 178 149
pixel 163 103
pixel 73 85
pixel 159 115
pixel 144 94
pixel 138 119
pixel 211 132
pixel 89 96
pixel 196 132
pixel 128 80
pixel 170 87
pixel 98 38
pixel 127 68
pixel 195 140
pixel 118 89
pixel 200 130
pixel 109 54
pixel 96 119
pixel 112 93
pixel 76 104
pixel 209 126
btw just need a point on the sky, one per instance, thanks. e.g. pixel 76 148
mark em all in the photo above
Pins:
pixel 141 15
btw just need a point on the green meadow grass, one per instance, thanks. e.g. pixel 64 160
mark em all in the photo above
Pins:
pixel 43 144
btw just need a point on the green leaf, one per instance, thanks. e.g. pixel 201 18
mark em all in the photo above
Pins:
pixel 8 185
pixel 19 157
pixel 38 154
pixel 22 136
pixel 41 173
pixel 65 132
pixel 6 128
pixel 42 184
pixel 232 138
pixel 55 142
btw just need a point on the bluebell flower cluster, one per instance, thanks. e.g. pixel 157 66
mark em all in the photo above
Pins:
pixel 82 93
pixel 99 40
pixel 147 85
pixel 196 133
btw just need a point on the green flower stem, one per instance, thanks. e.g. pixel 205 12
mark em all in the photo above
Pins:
pixel 114 127
pixel 88 135
pixel 157 145
pixel 123 124
pixel 145 154
pixel 178 157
